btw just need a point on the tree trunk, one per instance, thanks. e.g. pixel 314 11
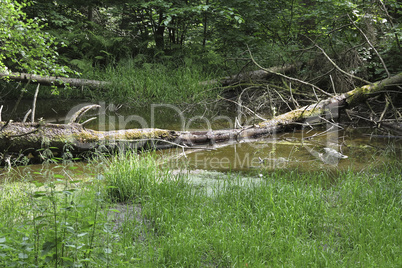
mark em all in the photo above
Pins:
pixel 55 81
pixel 24 138
pixel 252 76
pixel 159 33
pixel 77 82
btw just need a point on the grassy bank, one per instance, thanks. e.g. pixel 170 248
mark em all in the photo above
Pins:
pixel 137 215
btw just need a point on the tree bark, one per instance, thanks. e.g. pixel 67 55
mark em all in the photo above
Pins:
pixel 78 82
pixel 16 137
pixel 55 81
pixel 252 76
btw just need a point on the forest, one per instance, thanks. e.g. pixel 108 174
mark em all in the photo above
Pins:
pixel 206 133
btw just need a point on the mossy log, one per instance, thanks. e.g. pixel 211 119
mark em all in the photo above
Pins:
pixel 16 137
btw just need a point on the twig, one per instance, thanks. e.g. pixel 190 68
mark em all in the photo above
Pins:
pixel 254 113
pixel 316 95
pixel 364 118
pixel 1 110
pixel 383 113
pixel 239 108
pixel 371 45
pixel 332 123
pixel 394 108
pixel 87 121
pixel 183 147
pixel 26 115
pixel 34 103
pixel 237 123
pixel 318 134
pixel 333 84
pixel 370 108
pixel 20 97
pixel 280 96
pixel 287 77
pixel 323 75
pixel 338 28
pixel 173 143
pixel 295 103
pixel 336 66
pixel 273 110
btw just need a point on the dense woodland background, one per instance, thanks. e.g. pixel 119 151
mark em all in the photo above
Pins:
pixel 117 40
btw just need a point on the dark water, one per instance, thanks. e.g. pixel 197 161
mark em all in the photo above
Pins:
pixel 303 149
pixel 111 116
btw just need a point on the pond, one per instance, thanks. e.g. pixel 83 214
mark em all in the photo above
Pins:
pixel 305 149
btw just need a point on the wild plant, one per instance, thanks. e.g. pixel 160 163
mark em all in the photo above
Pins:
pixel 53 225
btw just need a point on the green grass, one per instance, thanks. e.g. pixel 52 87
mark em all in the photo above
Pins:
pixel 134 82
pixel 279 219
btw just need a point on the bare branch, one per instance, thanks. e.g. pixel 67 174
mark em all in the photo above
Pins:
pixel 87 121
pixel 295 103
pixel 26 115
pixel 287 77
pixel 371 45
pixel 336 66
pixel 242 106
pixel 333 84
pixel 34 103
pixel 77 116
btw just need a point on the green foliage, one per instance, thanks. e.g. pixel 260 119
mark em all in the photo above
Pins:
pixel 287 218
pixel 45 225
pixel 277 219
pixel 130 176
pixel 95 35
pixel 138 81
pixel 24 46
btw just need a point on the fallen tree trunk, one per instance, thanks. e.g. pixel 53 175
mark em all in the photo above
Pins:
pixel 252 76
pixel 77 82
pixel 55 81
pixel 16 137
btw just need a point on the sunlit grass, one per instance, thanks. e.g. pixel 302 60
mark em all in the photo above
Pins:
pixel 278 219
pixel 281 223
pixel 154 82
pixel 285 219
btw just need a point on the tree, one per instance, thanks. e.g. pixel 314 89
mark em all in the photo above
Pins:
pixel 24 46
pixel 17 137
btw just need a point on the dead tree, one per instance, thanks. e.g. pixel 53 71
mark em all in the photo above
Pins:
pixel 17 137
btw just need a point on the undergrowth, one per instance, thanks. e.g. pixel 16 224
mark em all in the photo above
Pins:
pixel 142 82
pixel 277 219
pixel 133 81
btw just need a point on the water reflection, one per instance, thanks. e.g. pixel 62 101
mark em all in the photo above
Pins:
pixel 300 149
pixel 293 150
pixel 112 117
